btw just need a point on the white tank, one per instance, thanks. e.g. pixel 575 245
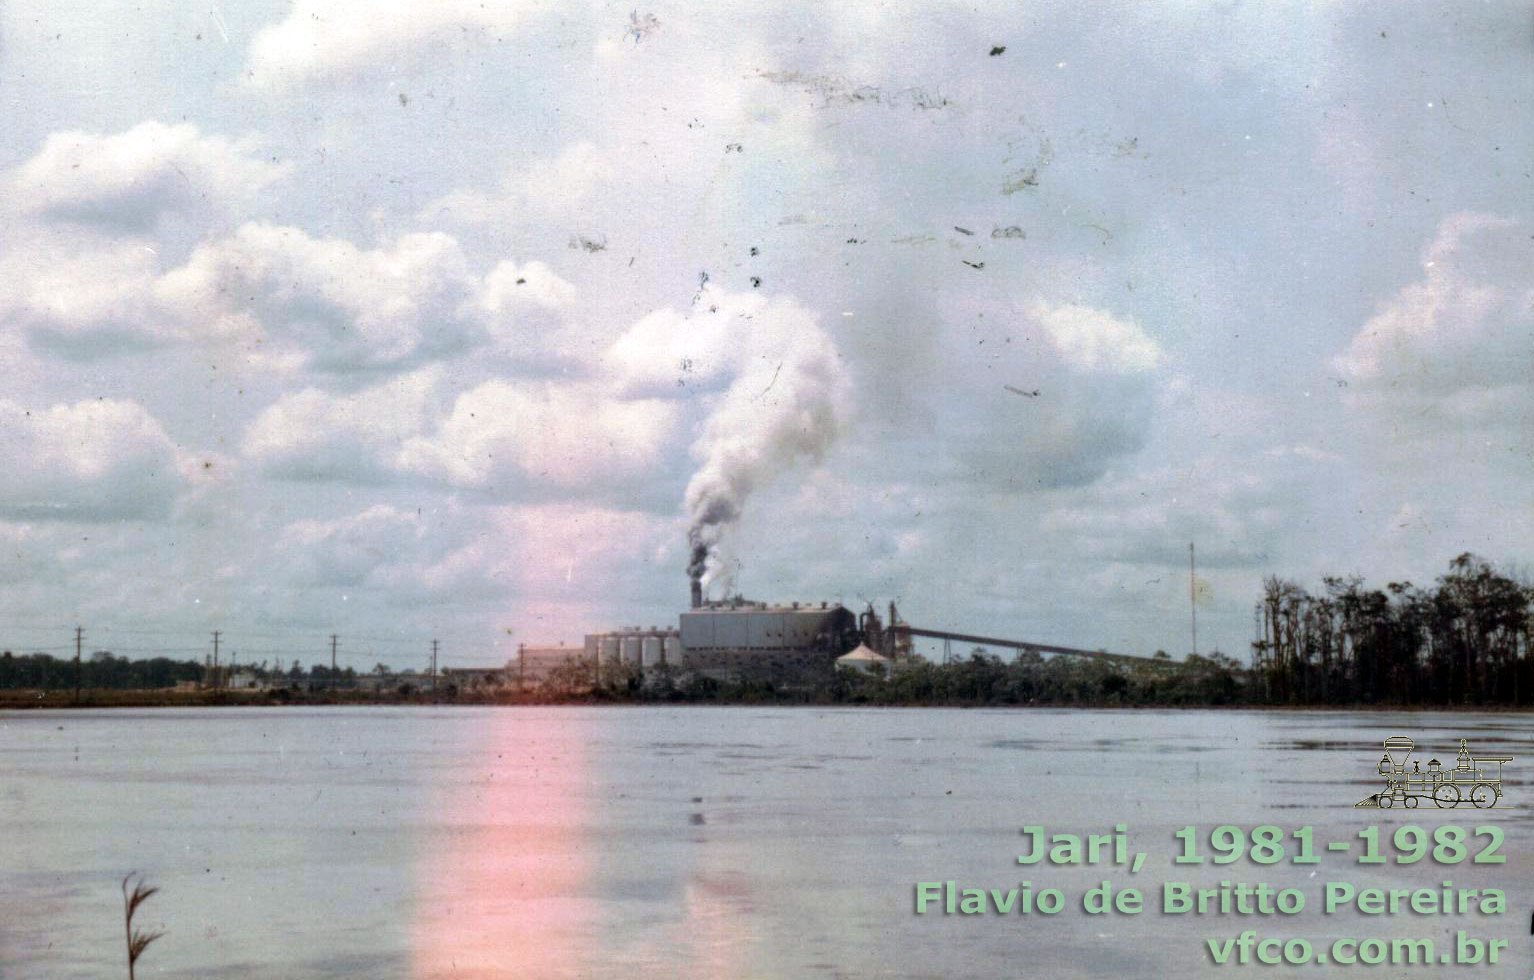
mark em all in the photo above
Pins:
pixel 671 651
pixel 630 649
pixel 650 651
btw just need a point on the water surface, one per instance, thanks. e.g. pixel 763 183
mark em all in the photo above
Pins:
pixel 710 843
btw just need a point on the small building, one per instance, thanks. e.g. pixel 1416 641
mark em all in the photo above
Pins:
pixel 860 658
pixel 376 683
pixel 246 680
pixel 536 664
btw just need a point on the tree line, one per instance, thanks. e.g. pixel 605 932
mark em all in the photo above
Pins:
pixel 102 670
pixel 1463 641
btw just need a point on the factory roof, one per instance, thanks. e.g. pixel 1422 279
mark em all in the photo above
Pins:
pixel 738 604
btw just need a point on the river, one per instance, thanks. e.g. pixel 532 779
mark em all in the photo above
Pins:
pixel 700 842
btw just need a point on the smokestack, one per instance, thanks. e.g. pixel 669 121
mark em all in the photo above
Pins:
pixel 697 564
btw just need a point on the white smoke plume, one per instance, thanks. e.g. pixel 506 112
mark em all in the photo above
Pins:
pixel 778 393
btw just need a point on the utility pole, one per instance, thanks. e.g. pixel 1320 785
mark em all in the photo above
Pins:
pixel 216 635
pixel 79 638
pixel 1193 596
pixel 434 666
pixel 333 641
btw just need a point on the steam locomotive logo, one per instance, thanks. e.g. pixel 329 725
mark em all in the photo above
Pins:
pixel 1472 780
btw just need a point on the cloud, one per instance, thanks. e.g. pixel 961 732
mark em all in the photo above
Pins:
pixel 1093 340
pixel 563 560
pixel 1148 518
pixel 343 308
pixel 83 298
pixel 536 323
pixel 325 304
pixel 1453 349
pixel 101 460
pixel 312 435
pixel 1050 398
pixel 562 183
pixel 576 567
pixel 332 40
pixel 503 436
pixel 125 182
pixel 398 555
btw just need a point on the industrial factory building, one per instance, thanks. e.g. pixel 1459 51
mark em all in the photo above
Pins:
pixel 740 639
pixel 737 639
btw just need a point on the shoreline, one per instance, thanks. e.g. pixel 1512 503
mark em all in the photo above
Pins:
pixel 25 700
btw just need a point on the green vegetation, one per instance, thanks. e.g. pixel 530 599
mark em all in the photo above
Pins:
pixel 978 680
pixel 100 670
pixel 1465 641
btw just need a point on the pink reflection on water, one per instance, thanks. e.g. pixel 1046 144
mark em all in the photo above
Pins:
pixel 718 910
pixel 537 842
pixel 503 889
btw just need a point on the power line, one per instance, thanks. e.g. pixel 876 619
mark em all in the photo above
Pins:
pixel 401 637
pixel 79 638
pixel 1193 596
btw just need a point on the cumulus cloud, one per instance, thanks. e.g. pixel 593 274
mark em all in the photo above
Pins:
pixel 321 303
pixel 504 435
pixel 124 182
pixel 504 438
pixel 1455 346
pixel 100 460
pixel 1093 340
pixel 84 298
pixel 344 307
pixel 329 40
pixel 563 182
pixel 356 438
pixel 1051 400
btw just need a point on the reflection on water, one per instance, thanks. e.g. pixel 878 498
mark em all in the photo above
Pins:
pixel 502 890
pixel 692 842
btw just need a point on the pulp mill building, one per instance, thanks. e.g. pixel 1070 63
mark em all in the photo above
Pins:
pixel 736 639
pixel 728 640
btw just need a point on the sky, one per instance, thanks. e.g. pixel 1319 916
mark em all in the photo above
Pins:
pixel 407 321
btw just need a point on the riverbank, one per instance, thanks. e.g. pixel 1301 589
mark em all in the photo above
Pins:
pixel 56 700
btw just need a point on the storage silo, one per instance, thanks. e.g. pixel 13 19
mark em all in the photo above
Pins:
pixel 629 648
pixel 610 650
pixel 650 651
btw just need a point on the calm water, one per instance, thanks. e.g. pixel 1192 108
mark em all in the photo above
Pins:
pixel 690 842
